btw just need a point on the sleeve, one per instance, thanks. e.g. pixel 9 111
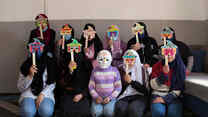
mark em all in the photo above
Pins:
pixel 171 96
pixel 23 82
pixel 158 78
pixel 139 87
pixel 48 89
pixel 117 85
pixel 91 87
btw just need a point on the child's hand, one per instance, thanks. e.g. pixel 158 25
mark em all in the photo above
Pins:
pixel 159 100
pixel 166 69
pixel 72 65
pixel 106 100
pixel 39 100
pixel 60 42
pixel 110 42
pixel 127 78
pixel 32 71
pixel 136 46
pixel 99 100
pixel 77 98
pixel 86 50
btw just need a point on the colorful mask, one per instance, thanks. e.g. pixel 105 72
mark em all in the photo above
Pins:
pixel 74 46
pixel 129 58
pixel 36 47
pixel 66 31
pixel 169 49
pixel 104 59
pixel 138 29
pixel 167 33
pixel 113 31
pixel 90 33
pixel 41 22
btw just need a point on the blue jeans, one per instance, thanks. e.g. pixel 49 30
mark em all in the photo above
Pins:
pixel 103 109
pixel 28 108
pixel 161 110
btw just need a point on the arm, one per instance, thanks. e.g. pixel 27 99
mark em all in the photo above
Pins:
pixel 139 87
pixel 117 85
pixel 190 63
pixel 23 82
pixel 48 89
pixel 158 78
pixel 91 87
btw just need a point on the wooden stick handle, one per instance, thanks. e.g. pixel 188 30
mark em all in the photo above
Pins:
pixel 112 44
pixel 137 38
pixel 41 32
pixel 72 55
pixel 127 67
pixel 164 41
pixel 63 43
pixel 166 60
pixel 33 58
pixel 86 42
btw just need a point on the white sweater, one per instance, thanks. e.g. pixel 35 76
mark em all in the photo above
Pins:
pixel 24 83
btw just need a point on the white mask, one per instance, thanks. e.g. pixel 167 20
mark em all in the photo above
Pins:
pixel 104 59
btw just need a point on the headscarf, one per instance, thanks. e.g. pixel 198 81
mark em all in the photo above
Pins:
pixel 96 41
pixel 179 72
pixel 116 43
pixel 136 70
pixel 43 62
pixel 46 33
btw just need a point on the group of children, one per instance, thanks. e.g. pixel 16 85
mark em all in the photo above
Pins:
pixel 102 79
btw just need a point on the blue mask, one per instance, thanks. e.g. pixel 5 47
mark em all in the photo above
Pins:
pixel 46 28
pixel 67 37
pixel 114 34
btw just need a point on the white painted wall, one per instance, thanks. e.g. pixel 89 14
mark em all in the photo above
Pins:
pixel 26 10
pixel 20 10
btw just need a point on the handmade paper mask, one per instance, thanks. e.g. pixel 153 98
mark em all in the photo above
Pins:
pixel 66 32
pixel 113 32
pixel 169 49
pixel 41 22
pixel 36 47
pixel 129 58
pixel 89 33
pixel 166 33
pixel 104 59
pixel 138 28
pixel 74 46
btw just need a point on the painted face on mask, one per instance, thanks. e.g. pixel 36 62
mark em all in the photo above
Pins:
pixel 75 46
pixel 167 33
pixel 138 29
pixel 129 58
pixel 36 47
pixel 113 32
pixel 66 31
pixel 89 33
pixel 43 22
pixel 104 59
pixel 169 50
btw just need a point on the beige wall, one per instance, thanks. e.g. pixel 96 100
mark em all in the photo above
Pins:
pixel 25 10
pixel 20 10
pixel 121 9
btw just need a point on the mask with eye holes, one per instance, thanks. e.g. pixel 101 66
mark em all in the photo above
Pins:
pixel 104 59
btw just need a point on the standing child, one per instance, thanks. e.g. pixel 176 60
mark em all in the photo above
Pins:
pixel 105 86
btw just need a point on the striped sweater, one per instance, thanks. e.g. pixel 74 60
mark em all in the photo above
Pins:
pixel 105 83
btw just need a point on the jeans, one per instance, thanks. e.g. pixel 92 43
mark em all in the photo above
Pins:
pixel 171 110
pixel 107 110
pixel 28 108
